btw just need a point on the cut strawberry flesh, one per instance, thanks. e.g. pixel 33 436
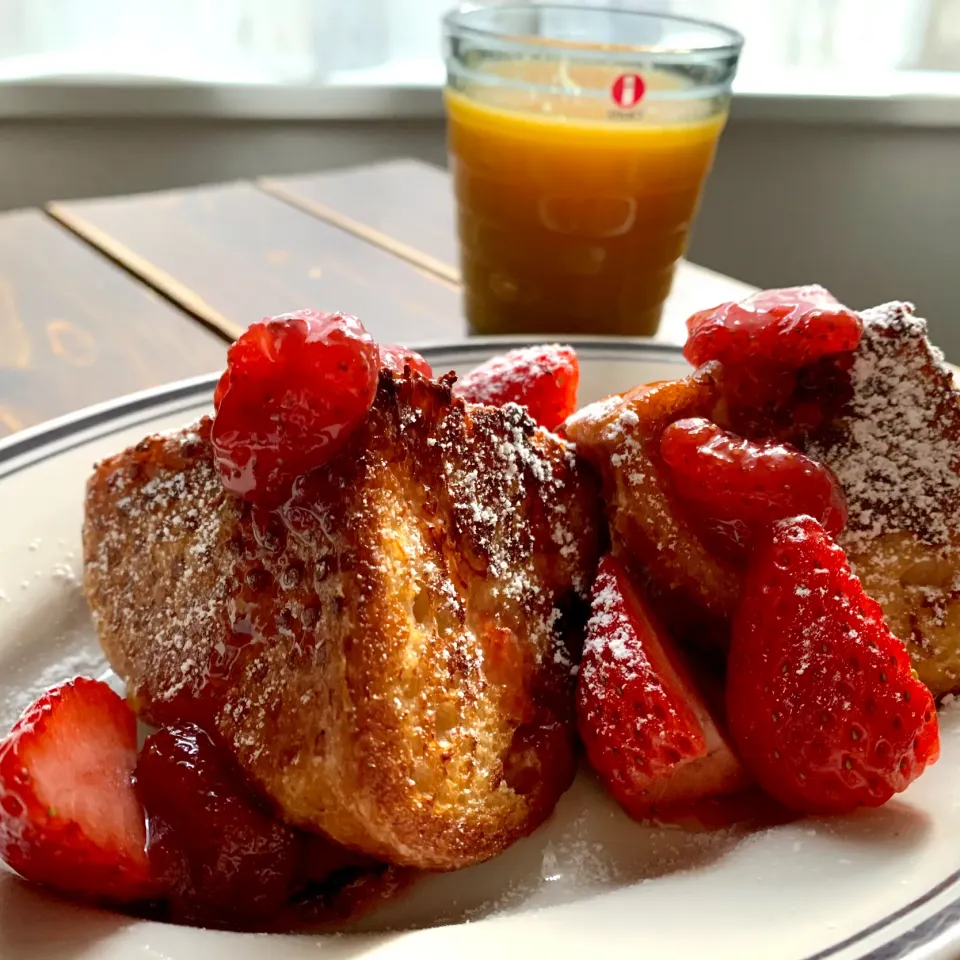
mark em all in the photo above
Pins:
pixel 692 784
pixel 93 789
pixel 787 328
pixel 69 816
pixel 648 731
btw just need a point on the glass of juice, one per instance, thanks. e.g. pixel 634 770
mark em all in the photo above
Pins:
pixel 580 139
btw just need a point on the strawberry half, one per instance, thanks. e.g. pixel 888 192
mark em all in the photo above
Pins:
pixel 822 702
pixel 544 379
pixel 69 817
pixel 648 732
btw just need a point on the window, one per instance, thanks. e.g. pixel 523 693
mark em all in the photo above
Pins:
pixel 398 41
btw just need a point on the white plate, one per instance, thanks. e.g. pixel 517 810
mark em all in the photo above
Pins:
pixel 882 884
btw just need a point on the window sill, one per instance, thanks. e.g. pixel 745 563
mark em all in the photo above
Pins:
pixel 412 91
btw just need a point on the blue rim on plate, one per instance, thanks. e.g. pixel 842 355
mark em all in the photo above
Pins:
pixel 55 437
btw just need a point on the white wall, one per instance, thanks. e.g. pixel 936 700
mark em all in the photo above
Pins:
pixel 873 212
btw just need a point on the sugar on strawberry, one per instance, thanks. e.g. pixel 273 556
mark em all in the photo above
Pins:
pixel 397 358
pixel 822 702
pixel 735 487
pixel 543 378
pixel 649 732
pixel 69 817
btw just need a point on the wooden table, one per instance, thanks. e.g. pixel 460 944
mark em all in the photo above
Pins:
pixel 102 297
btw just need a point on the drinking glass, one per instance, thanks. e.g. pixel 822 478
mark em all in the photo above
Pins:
pixel 579 139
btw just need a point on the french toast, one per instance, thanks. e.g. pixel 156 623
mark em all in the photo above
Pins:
pixel 895 447
pixel 693 587
pixel 891 435
pixel 388 655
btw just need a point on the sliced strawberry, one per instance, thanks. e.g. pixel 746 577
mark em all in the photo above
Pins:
pixel 395 358
pixel 822 702
pixel 544 379
pixel 69 816
pixel 647 729
pixel 786 329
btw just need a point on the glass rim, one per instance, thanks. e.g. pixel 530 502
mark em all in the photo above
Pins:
pixel 457 21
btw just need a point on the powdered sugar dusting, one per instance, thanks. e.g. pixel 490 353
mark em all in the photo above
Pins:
pixel 608 628
pixel 588 847
pixel 154 504
pixel 898 451
pixel 529 462
pixel 86 661
pixel 507 374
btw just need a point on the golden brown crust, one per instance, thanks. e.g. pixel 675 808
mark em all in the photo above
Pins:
pixel 389 655
pixel 620 437
pixel 918 587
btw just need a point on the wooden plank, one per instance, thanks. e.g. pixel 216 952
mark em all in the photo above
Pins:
pixel 406 207
pixel 76 330
pixel 231 254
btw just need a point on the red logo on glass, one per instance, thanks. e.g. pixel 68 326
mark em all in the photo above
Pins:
pixel 627 90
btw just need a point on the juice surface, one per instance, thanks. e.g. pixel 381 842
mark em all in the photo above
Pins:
pixel 571 215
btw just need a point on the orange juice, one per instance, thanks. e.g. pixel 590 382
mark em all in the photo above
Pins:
pixel 572 216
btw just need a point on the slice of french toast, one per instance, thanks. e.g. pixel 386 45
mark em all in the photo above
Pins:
pixel 388 655
pixel 895 447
